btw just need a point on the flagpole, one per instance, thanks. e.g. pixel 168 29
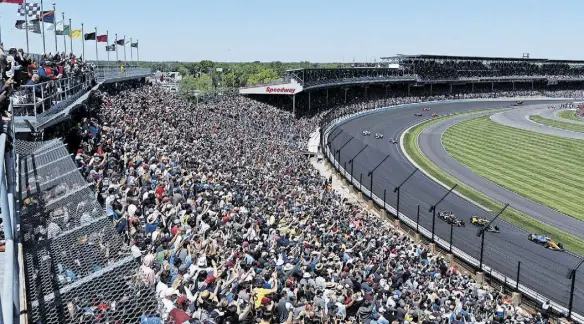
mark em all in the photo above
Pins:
pixel 82 42
pixel 96 53
pixel 0 31
pixel 138 51
pixel 71 35
pixel 43 28
pixel 131 52
pixel 107 36
pixel 55 26
pixel 26 24
pixel 125 62
pixel 64 38
pixel 116 48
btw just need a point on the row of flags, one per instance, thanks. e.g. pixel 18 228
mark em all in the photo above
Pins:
pixel 38 16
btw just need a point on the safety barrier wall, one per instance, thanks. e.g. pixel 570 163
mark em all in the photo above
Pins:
pixel 331 122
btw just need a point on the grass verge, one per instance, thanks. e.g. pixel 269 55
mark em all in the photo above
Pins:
pixel 558 124
pixel 511 215
pixel 569 114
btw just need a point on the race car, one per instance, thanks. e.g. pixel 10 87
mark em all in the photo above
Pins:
pixel 518 103
pixel 434 115
pixel 482 222
pixel 366 133
pixel 392 141
pixel 378 136
pixel 450 218
pixel 418 114
pixel 546 241
pixel 426 108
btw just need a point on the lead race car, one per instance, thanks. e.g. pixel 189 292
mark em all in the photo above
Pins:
pixel 518 103
pixel 418 114
pixel 378 136
pixel 366 133
pixel 546 241
pixel 450 218
pixel 482 222
pixel 426 108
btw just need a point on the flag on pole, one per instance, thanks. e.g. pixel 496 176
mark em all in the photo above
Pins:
pixel 110 48
pixel 48 16
pixel 121 42
pixel 89 36
pixel 75 33
pixel 127 42
pixel 102 39
pixel 52 26
pixel 12 1
pixel 134 45
pixel 31 9
pixel 33 25
pixel 65 30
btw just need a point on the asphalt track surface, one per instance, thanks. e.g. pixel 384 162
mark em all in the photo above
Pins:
pixel 542 270
pixel 519 118
pixel 553 114
pixel 430 142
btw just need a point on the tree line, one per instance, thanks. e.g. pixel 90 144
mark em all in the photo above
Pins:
pixel 207 76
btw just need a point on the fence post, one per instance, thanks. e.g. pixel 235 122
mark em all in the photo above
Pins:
pixel 518 272
pixel 360 180
pixel 451 230
pixel 384 194
pixel 573 275
pixel 418 220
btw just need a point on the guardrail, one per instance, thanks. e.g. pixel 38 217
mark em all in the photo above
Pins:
pixel 10 302
pixel 115 72
pixel 328 125
pixel 35 99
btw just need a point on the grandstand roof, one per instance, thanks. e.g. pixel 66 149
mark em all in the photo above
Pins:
pixel 478 58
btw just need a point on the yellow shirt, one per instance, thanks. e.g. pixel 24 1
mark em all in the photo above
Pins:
pixel 260 294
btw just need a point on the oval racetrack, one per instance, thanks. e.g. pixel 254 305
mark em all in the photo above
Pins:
pixel 542 270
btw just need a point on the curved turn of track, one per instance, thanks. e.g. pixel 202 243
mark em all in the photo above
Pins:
pixel 519 118
pixel 553 114
pixel 542 270
pixel 430 142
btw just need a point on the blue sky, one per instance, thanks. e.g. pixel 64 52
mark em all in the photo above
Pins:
pixel 318 30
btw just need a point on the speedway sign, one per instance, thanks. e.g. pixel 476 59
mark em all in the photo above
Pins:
pixel 273 89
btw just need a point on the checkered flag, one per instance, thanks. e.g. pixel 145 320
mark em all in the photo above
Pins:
pixel 32 10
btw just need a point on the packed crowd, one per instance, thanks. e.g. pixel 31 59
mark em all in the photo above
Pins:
pixel 25 78
pixel 454 69
pixel 230 224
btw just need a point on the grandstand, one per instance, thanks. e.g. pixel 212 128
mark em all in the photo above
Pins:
pixel 424 75
pixel 41 273
pixel 58 277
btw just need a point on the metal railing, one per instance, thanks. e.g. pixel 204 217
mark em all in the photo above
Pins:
pixel 327 126
pixel 10 301
pixel 35 99
pixel 103 73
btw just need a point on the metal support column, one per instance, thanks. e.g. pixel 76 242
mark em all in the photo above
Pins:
pixel 308 100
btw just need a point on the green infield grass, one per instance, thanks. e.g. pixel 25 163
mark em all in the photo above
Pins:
pixel 569 114
pixel 558 124
pixel 511 215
